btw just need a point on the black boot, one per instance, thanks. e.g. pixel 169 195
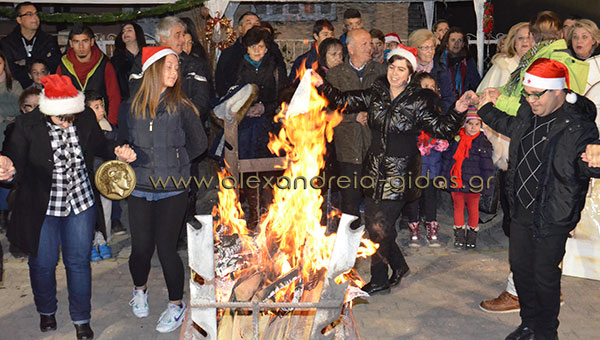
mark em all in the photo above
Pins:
pixel 375 288
pixel 84 331
pixel 47 323
pixel 459 237
pixel 398 274
pixel 471 238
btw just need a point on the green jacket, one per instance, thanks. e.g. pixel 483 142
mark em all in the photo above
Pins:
pixel 555 50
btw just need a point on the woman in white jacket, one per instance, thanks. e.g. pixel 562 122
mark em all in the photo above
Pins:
pixel 518 41
pixel 583 39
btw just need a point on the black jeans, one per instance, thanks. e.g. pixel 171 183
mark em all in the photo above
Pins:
pixel 380 217
pixel 351 196
pixel 156 224
pixel 535 263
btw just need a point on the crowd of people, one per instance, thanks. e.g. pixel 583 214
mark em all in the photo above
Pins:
pixel 526 130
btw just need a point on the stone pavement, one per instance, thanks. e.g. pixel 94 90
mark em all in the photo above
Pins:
pixel 438 300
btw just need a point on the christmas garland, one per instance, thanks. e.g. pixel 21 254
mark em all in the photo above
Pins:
pixel 488 17
pixel 108 18
pixel 222 42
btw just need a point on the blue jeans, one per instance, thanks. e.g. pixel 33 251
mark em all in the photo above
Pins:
pixel 74 234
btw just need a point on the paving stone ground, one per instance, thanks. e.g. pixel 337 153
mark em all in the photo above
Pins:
pixel 438 300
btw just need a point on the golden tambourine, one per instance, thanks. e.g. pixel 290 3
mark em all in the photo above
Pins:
pixel 115 179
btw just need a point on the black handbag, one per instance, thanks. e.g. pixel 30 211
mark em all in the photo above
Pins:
pixel 488 203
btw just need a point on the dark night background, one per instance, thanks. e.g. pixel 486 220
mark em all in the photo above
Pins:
pixel 510 12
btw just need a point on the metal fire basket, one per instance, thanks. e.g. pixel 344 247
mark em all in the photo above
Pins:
pixel 203 296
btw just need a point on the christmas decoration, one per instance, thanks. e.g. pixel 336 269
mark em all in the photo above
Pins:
pixel 108 18
pixel 219 32
pixel 488 18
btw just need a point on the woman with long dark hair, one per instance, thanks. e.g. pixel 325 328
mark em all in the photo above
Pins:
pixel 128 45
pixel 453 52
pixel 165 130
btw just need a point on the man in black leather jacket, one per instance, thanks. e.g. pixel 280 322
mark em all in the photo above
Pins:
pixel 548 181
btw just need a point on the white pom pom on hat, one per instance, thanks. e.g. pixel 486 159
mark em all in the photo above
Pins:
pixel 410 53
pixel 549 74
pixel 60 97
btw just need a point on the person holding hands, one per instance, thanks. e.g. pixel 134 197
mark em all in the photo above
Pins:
pixel 49 158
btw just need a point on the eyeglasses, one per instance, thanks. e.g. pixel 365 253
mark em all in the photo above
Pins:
pixel 28 14
pixel 532 96
pixel 426 48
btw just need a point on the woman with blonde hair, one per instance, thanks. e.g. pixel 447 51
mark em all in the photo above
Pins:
pixel 424 41
pixel 517 42
pixel 165 130
pixel 583 39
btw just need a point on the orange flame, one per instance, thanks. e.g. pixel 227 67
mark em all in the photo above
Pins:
pixel 352 276
pixel 290 234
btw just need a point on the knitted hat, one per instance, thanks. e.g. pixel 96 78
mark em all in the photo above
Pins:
pixel 409 53
pixel 471 114
pixel 549 74
pixel 59 96
pixel 392 37
pixel 152 54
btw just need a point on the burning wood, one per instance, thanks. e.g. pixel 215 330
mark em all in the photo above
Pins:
pixel 289 279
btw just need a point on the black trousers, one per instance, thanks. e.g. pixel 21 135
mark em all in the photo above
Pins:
pixel 535 263
pixel 425 207
pixel 352 196
pixel 504 202
pixel 380 218
pixel 156 224
pixel 428 203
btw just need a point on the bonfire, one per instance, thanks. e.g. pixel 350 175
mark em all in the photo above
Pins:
pixel 290 278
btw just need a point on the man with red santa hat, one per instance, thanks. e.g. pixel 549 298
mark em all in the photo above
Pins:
pixel 548 177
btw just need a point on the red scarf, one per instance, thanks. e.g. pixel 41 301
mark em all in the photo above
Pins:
pixel 462 152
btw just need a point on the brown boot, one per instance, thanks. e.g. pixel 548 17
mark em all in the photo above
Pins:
pixel 504 303
pixel 432 234
pixel 415 235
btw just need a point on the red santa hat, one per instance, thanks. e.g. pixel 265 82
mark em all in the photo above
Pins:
pixel 59 96
pixel 152 54
pixel 409 53
pixel 392 37
pixel 549 74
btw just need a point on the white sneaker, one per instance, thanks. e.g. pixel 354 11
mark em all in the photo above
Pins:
pixel 139 303
pixel 171 318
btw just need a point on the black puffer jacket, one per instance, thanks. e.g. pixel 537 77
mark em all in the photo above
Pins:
pixel 164 145
pixel 564 181
pixel 393 161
